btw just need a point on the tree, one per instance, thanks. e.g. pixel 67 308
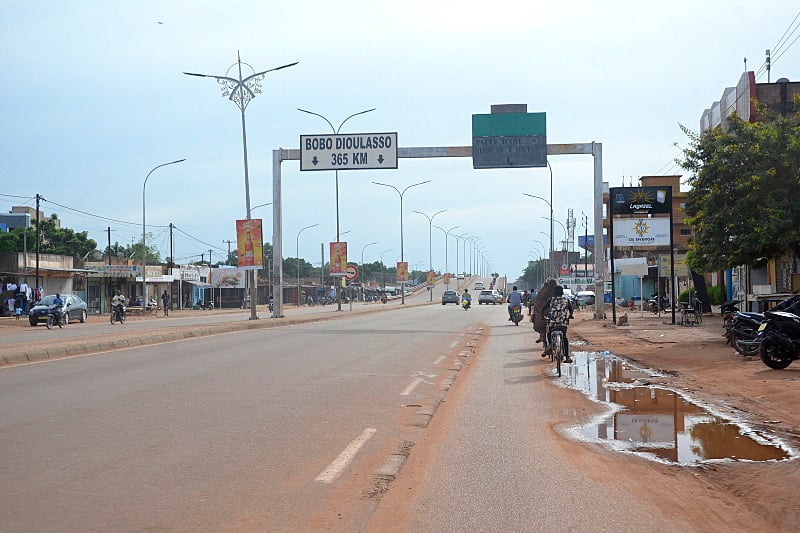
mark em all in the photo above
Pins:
pixel 745 184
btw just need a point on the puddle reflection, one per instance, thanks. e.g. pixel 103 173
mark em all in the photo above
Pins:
pixel 657 421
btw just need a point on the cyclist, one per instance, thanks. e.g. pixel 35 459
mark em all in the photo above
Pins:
pixel 558 309
pixel 514 299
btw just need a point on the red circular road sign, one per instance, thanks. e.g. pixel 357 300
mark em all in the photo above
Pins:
pixel 351 272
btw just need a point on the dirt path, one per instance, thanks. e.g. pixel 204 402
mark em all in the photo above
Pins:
pixel 697 360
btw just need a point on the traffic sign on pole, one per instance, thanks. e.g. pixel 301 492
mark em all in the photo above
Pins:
pixel 351 272
pixel 351 151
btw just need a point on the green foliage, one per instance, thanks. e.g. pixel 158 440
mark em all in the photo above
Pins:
pixel 715 295
pixel 745 184
pixel 686 295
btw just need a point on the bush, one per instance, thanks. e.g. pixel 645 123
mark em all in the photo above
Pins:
pixel 715 295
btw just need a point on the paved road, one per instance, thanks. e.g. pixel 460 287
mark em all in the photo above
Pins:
pixel 222 431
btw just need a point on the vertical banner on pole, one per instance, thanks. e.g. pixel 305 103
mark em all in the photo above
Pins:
pixel 402 271
pixel 338 252
pixel 431 279
pixel 248 244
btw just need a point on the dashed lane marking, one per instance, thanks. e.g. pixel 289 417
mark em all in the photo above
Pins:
pixel 411 387
pixel 337 466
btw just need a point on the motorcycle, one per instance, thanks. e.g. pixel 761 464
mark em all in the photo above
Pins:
pixel 466 303
pixel 741 329
pixel 779 337
pixel 658 305
pixel 516 314
pixel 56 316
pixel 207 306
pixel 118 313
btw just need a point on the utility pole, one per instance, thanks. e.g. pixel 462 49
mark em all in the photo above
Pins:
pixel 108 281
pixel 209 258
pixel 228 261
pixel 38 239
pixel 171 251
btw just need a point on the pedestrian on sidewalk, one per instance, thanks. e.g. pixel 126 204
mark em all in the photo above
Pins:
pixel 165 302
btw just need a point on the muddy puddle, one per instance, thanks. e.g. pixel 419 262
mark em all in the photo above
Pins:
pixel 657 422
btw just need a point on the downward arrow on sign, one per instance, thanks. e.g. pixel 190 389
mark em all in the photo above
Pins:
pixel 315 161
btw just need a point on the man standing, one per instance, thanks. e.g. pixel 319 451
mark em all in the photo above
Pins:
pixel 165 302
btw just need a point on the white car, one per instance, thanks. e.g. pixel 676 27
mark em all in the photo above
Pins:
pixel 479 286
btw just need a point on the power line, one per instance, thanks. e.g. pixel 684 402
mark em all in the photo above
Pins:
pixel 198 240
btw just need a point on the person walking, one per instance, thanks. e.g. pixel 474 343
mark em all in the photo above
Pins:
pixel 165 299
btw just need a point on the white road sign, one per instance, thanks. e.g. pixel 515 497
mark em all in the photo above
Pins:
pixel 350 151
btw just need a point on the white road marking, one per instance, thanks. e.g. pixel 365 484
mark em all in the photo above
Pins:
pixel 439 359
pixel 337 466
pixel 411 387
pixel 454 344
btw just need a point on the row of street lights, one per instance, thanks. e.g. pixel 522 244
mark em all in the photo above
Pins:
pixel 241 90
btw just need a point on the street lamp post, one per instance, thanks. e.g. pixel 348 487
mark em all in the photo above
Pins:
pixel 144 232
pixel 447 234
pixel 402 285
pixel 336 132
pixel 240 91
pixel 254 292
pixel 361 274
pixel 430 240
pixel 297 259
pixel 550 205
pixel 383 275
pixel 460 237
pixel 564 249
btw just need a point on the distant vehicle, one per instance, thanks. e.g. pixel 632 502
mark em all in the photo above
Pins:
pixel 450 297
pixel 479 286
pixel 489 296
pixel 74 309
pixel 460 276
pixel 587 297
pixel 569 294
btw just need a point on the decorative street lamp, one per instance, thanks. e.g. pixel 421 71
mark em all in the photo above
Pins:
pixel 144 234
pixel 402 285
pixel 430 240
pixel 240 91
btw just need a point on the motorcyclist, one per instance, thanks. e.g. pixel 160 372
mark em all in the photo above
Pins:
pixel 558 309
pixel 466 297
pixel 119 300
pixel 57 307
pixel 514 299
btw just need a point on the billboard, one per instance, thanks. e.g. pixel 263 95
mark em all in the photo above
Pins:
pixel 249 247
pixel 641 232
pixel 338 252
pixel 640 200
pixel 228 278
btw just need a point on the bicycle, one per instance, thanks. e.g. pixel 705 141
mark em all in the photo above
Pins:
pixel 557 348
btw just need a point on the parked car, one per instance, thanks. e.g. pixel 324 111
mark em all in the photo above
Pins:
pixel 587 297
pixel 450 297
pixel 490 296
pixel 74 307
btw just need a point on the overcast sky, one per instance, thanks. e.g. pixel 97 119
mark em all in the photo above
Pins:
pixel 94 98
